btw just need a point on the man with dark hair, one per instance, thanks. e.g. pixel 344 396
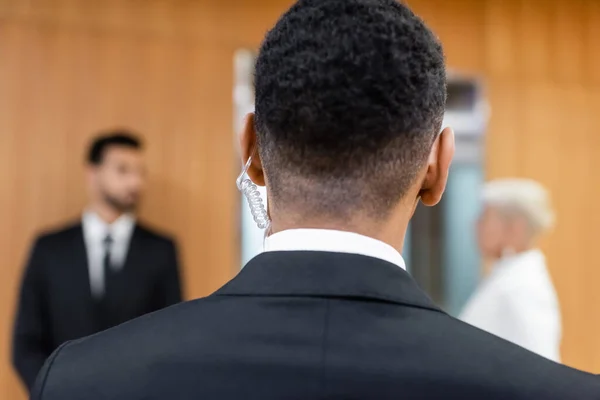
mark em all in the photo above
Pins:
pixel 117 138
pixel 347 139
pixel 99 272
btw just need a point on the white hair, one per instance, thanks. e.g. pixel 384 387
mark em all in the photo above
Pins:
pixel 523 196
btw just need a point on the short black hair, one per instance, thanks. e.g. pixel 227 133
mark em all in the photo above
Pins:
pixel 350 95
pixel 113 138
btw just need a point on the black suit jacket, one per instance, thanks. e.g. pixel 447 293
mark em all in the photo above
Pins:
pixel 56 304
pixel 306 325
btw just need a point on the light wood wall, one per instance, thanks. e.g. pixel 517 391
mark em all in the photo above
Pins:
pixel 540 60
pixel 164 67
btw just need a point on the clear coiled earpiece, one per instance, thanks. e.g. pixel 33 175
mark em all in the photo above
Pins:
pixel 250 191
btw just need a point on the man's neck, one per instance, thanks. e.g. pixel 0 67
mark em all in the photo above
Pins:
pixel 105 212
pixel 392 233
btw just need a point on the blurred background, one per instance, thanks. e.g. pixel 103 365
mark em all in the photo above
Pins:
pixel 524 94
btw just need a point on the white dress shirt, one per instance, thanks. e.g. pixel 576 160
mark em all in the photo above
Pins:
pixel 95 231
pixel 518 303
pixel 332 241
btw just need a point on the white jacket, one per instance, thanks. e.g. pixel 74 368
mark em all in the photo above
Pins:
pixel 518 303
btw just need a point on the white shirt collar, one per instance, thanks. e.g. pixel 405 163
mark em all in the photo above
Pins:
pixel 96 227
pixel 332 241
pixel 525 257
pixel 95 230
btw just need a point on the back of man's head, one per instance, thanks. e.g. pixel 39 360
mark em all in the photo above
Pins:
pixel 350 96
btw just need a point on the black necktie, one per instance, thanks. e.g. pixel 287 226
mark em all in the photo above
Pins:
pixel 103 309
pixel 108 270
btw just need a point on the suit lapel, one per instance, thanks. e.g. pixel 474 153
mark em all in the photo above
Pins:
pixel 134 251
pixel 124 278
pixel 81 275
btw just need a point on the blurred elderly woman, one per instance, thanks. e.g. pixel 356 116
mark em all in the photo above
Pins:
pixel 517 301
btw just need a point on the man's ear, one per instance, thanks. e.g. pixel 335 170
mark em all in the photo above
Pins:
pixel 438 166
pixel 249 150
pixel 91 174
pixel 91 179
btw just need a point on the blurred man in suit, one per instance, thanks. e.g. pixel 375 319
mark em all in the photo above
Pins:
pixel 103 270
pixel 347 137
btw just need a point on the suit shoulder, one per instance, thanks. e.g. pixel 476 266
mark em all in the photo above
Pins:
pixel 89 364
pixel 142 332
pixel 57 234
pixel 511 363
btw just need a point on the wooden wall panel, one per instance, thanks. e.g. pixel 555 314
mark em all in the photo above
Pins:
pixel 61 80
pixel 504 149
pixel 502 37
pixel 592 31
pixel 164 67
pixel 535 40
pixel 552 58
